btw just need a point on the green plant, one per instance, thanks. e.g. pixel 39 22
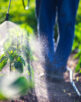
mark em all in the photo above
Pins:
pixel 17 55
pixel 77 47
pixel 12 57
pixel 14 88
pixel 77 40
pixel 3 61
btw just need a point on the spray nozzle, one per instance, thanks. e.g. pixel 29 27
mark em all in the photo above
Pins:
pixel 26 7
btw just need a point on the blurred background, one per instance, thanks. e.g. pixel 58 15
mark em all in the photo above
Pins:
pixel 27 20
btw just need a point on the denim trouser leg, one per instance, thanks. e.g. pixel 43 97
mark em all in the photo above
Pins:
pixel 66 22
pixel 46 13
pixel 46 22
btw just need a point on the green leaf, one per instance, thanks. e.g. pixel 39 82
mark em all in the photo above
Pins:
pixel 11 55
pixel 21 84
pixel 3 61
pixel 77 69
pixel 2 97
pixel 76 55
pixel 19 66
pixel 20 59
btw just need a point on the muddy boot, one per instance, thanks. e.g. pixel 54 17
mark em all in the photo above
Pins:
pixel 57 77
pixel 53 73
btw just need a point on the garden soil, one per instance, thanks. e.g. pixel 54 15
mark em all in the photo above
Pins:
pixel 51 90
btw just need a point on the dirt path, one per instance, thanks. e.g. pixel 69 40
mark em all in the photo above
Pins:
pixel 52 91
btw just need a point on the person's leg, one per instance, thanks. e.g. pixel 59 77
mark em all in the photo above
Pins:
pixel 46 20
pixel 66 22
pixel 38 2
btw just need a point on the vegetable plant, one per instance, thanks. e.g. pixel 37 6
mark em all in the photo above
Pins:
pixel 17 57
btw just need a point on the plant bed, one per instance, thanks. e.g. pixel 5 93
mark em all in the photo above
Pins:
pixel 52 91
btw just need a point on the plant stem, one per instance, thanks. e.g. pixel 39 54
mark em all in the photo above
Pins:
pixel 10 66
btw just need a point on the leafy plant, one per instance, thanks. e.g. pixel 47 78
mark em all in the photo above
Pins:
pixel 78 67
pixel 12 58
pixel 18 56
pixel 77 40
pixel 77 47
pixel 15 86
pixel 3 61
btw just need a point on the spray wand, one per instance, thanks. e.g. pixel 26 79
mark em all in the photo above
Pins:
pixel 7 15
pixel 25 7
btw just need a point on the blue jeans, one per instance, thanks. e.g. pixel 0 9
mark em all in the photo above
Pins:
pixel 66 14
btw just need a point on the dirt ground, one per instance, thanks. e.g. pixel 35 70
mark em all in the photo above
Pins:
pixel 53 91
